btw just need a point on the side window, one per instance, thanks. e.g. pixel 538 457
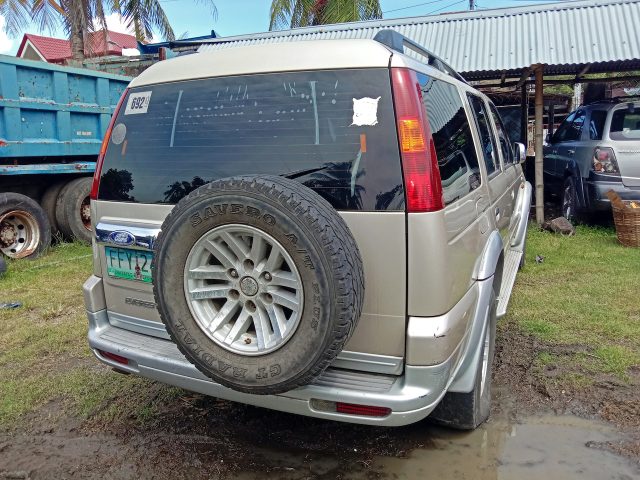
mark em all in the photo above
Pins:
pixel 561 133
pixel 574 132
pixel 596 124
pixel 487 141
pixel 455 149
pixel 503 137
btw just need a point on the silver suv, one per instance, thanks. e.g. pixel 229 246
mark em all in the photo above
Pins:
pixel 328 228
pixel 595 149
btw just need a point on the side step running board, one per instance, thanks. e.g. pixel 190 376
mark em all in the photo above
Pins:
pixel 509 271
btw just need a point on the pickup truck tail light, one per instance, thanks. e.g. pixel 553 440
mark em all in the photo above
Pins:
pixel 604 161
pixel 103 149
pixel 423 186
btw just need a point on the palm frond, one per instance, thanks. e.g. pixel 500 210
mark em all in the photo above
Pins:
pixel 16 14
pixel 302 13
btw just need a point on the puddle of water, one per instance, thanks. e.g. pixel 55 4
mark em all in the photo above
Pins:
pixel 546 447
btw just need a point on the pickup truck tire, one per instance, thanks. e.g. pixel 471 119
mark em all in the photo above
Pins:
pixel 467 411
pixel 25 231
pixel 72 209
pixel 48 203
pixel 258 281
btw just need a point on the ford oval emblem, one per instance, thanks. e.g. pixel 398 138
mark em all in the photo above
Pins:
pixel 122 237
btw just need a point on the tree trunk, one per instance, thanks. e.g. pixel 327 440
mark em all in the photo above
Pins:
pixel 77 42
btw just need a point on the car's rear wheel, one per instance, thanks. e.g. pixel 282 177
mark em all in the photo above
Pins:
pixel 25 231
pixel 259 282
pixel 569 199
pixel 466 411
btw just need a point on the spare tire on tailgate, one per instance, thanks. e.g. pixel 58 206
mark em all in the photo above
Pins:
pixel 259 281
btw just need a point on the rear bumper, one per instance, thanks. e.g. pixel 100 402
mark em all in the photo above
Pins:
pixel 411 396
pixel 597 186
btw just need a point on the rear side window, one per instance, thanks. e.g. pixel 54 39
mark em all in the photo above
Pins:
pixel 503 137
pixel 596 124
pixel 487 141
pixel 334 131
pixel 455 149
pixel 625 125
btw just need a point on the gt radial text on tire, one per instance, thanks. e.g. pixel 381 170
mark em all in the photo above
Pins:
pixel 73 209
pixel 25 231
pixel 259 281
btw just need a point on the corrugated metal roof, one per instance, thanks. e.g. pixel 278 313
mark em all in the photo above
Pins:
pixel 482 44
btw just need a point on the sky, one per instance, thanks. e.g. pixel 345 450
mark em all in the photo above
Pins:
pixel 237 17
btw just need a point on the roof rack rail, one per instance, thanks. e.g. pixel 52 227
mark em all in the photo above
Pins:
pixel 398 42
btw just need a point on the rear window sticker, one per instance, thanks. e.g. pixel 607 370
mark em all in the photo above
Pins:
pixel 118 133
pixel 138 103
pixel 365 111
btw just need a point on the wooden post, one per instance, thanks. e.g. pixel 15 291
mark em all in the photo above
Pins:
pixel 539 145
pixel 524 115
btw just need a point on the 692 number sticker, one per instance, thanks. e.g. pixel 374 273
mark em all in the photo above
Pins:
pixel 138 103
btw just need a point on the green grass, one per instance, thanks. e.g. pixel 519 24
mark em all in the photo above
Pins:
pixel 585 293
pixel 44 355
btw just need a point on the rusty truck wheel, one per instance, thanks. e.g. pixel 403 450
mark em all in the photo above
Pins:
pixel 73 210
pixel 25 231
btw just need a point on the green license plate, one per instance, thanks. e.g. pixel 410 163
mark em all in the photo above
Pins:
pixel 128 263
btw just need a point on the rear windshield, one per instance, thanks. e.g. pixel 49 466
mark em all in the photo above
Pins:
pixel 334 131
pixel 625 124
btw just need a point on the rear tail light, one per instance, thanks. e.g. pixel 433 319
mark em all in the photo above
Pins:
pixel 350 408
pixel 423 186
pixel 103 149
pixel 604 161
pixel 114 357
pixel 366 410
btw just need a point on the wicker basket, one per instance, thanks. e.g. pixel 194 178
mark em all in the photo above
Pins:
pixel 627 220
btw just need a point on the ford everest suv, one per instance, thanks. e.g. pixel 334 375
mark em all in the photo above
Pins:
pixel 595 149
pixel 328 228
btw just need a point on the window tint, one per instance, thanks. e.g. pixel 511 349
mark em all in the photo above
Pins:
pixel 596 124
pixel 561 133
pixel 625 125
pixel 455 149
pixel 334 131
pixel 487 141
pixel 574 132
pixel 503 137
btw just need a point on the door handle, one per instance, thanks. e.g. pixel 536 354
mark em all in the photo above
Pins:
pixel 570 152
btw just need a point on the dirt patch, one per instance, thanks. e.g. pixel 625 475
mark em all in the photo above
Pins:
pixel 565 387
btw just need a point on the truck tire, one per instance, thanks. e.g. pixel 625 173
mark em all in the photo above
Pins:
pixel 48 204
pixel 73 210
pixel 467 411
pixel 258 281
pixel 24 227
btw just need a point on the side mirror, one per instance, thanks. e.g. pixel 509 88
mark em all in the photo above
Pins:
pixel 547 139
pixel 520 152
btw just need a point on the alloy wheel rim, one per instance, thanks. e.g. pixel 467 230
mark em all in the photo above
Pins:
pixel 243 289
pixel 567 209
pixel 19 234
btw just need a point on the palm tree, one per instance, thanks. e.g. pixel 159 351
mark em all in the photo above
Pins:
pixel 80 18
pixel 304 13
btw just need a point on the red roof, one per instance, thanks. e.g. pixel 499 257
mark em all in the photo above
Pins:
pixel 56 50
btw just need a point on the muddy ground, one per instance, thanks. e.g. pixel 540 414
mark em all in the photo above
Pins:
pixel 536 430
